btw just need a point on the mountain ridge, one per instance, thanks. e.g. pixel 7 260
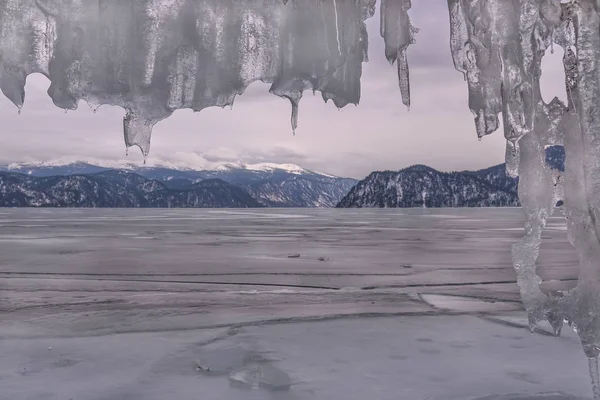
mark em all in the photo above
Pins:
pixel 422 186
pixel 61 167
pixel 116 189
pixel 264 185
pixel 272 185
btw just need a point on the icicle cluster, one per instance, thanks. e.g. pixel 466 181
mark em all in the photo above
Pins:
pixel 499 46
pixel 152 57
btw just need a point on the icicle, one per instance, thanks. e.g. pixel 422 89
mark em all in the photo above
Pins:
pixel 459 37
pixel 137 130
pixel 556 322
pixel 295 101
pixel 13 86
pixel 595 377
pixel 403 78
pixel 398 33
pixel 294 96
pixel 512 158
pixel 93 105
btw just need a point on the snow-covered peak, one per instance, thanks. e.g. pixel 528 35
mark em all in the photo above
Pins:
pixel 157 163
pixel 271 167
pixel 268 167
pixel 40 164
pixel 70 162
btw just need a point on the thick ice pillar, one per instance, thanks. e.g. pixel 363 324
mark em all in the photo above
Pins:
pixel 499 46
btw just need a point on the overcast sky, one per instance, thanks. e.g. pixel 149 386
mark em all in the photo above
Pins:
pixel 379 134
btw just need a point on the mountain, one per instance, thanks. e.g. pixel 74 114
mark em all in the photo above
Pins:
pixel 300 191
pixel 116 189
pixel 422 186
pixel 272 185
pixel 54 169
pixel 497 177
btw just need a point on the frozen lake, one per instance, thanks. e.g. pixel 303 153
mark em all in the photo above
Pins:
pixel 276 304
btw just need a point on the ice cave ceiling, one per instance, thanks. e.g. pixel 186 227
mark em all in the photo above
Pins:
pixel 153 57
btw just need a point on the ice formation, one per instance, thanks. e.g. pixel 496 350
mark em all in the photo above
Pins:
pixel 499 46
pixel 153 57
pixel 398 34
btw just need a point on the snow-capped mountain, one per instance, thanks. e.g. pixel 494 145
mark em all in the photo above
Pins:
pixel 273 185
pixel 422 186
pixel 69 166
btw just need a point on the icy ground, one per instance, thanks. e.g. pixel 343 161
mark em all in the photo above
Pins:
pixel 207 304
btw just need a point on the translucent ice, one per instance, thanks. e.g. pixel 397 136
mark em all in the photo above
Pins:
pixel 153 57
pixel 499 45
pixel 398 33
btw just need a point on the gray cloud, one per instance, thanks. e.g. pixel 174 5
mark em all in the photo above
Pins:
pixel 281 154
pixel 379 134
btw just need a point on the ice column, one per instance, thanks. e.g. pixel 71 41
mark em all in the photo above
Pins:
pixel 398 34
pixel 499 45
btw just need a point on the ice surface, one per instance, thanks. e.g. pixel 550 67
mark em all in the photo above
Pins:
pixel 134 319
pixel 257 376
